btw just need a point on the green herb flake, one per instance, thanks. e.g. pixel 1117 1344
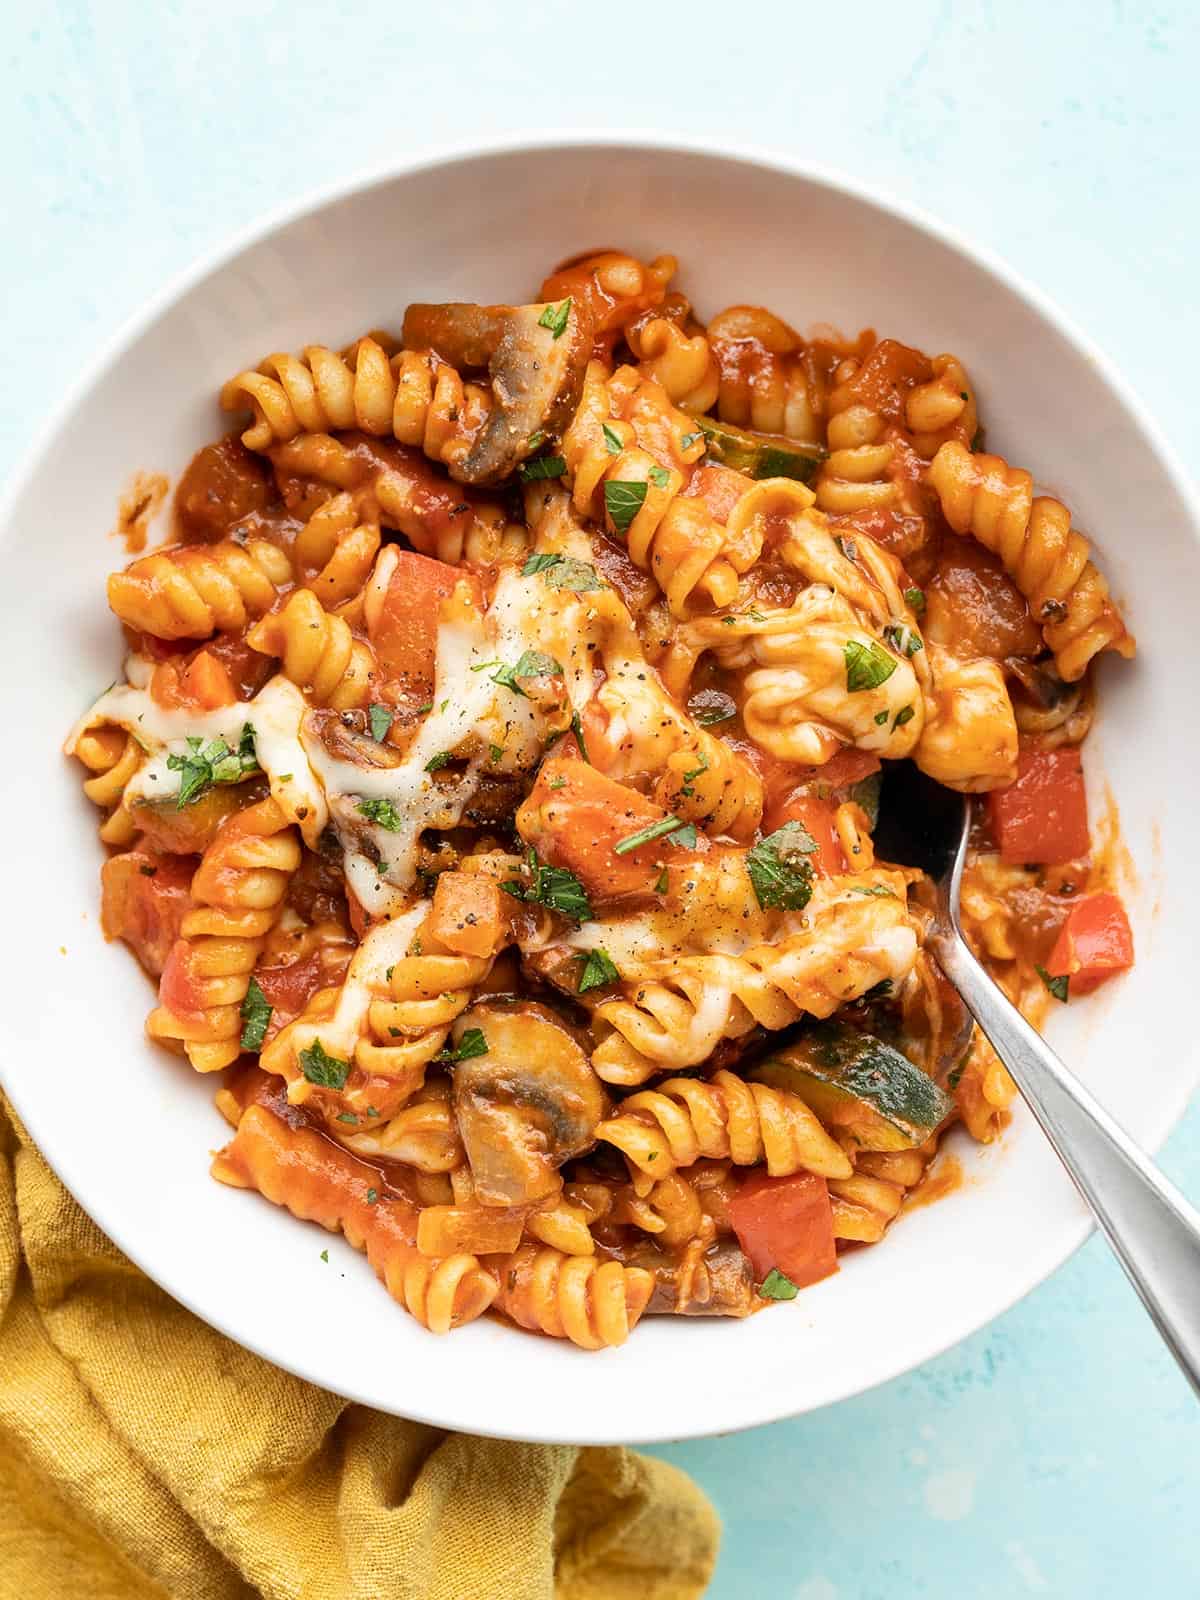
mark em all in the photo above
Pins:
pixel 557 783
pixel 623 500
pixel 383 812
pixel 495 752
pixel 539 563
pixel 471 1044
pixel 685 837
pixel 380 718
pixel 905 714
pixel 780 873
pixel 428 706
pixel 577 730
pixel 206 765
pixel 435 764
pixel 867 665
pixel 655 830
pixel 659 477
pixel 915 600
pixel 319 1067
pixel 256 1016
pixel 325 1256
pixel 1058 987
pixel 555 317
pixel 598 970
pixel 148 872
pixel 905 641
pixel 880 718
pixel 348 1116
pixel 372 1197
pixel 879 890
pixel 955 1078
pixel 533 664
pixel 775 1286
pixel 663 882
pixel 556 888
pixel 535 439
pixel 710 716
pixel 612 440
pixel 580 576
pixel 689 440
pixel 541 467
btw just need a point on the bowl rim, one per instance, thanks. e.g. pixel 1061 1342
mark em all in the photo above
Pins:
pixel 653 142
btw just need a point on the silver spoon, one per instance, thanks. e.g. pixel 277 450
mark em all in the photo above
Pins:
pixel 1151 1227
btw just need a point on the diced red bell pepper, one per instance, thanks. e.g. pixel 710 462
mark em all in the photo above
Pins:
pixel 404 630
pixel 575 817
pixel 786 1223
pixel 1095 943
pixel 1042 817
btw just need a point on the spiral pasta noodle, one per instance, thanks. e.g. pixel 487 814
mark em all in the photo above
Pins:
pixel 189 591
pixel 1046 558
pixel 659 1130
pixel 765 380
pixel 317 651
pixel 237 893
pixel 293 1167
pixel 684 365
pixel 594 1304
pixel 871 1197
pixel 113 757
pixel 335 551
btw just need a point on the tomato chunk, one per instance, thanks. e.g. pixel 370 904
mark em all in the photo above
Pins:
pixel 179 988
pixel 289 989
pixel 575 817
pixel 1095 943
pixel 144 897
pixel 1042 817
pixel 204 684
pixel 786 1223
pixel 404 628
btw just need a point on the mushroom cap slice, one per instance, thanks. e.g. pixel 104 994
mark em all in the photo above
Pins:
pixel 535 373
pixel 528 1104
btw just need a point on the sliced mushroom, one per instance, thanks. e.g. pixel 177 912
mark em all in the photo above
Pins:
pixel 721 1284
pixel 530 1102
pixel 535 372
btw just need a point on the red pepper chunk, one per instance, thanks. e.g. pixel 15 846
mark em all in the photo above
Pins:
pixel 1042 817
pixel 785 1223
pixel 1095 943
pixel 575 817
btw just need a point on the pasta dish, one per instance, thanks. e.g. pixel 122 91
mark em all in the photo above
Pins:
pixel 491 784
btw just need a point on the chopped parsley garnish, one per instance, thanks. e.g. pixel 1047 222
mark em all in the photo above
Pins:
pixel 495 752
pixel 955 1078
pixel 577 730
pixel 709 716
pixel 663 882
pixel 437 762
pixel 655 830
pixel 564 572
pixel 689 777
pixel 598 970
pixel 539 563
pixel 1058 987
pixel 372 1196
pixel 471 1044
pixel 428 706
pixel 775 1286
pixel 867 665
pixel 623 500
pixel 659 477
pixel 256 1016
pixel 535 438
pixel 915 598
pixel 879 890
pixel 383 812
pixel 348 1116
pixel 880 718
pixel 904 640
pixel 779 869
pixel 557 783
pixel 905 714
pixel 215 762
pixel 555 317
pixel 684 837
pixel 533 664
pixel 556 888
pixel 319 1067
pixel 689 440
pixel 325 1256
pixel 380 718
pixel 612 440
pixel 541 467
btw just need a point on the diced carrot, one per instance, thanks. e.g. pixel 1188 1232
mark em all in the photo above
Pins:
pixel 144 898
pixel 203 684
pixel 404 630
pixel 575 817
pixel 785 1223
pixel 1042 817
pixel 1095 943
pixel 467 915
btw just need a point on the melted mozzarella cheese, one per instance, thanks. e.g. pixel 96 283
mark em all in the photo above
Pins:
pixel 274 714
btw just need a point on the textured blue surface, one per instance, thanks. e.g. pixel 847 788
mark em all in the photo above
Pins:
pixel 1056 1452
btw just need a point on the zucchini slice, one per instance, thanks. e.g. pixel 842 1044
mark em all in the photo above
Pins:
pixel 858 1086
pixel 759 455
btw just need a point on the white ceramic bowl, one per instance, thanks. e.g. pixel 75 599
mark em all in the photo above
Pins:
pixel 129 1129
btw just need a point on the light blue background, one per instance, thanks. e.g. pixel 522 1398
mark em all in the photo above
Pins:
pixel 1057 1452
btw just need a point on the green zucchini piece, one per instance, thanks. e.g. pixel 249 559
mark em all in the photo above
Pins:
pixel 866 793
pixel 759 455
pixel 859 1086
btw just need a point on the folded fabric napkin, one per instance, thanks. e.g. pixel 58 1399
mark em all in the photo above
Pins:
pixel 142 1454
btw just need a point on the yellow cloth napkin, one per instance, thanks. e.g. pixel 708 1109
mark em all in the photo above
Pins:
pixel 142 1454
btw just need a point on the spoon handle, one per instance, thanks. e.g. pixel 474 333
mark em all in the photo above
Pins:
pixel 1151 1227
